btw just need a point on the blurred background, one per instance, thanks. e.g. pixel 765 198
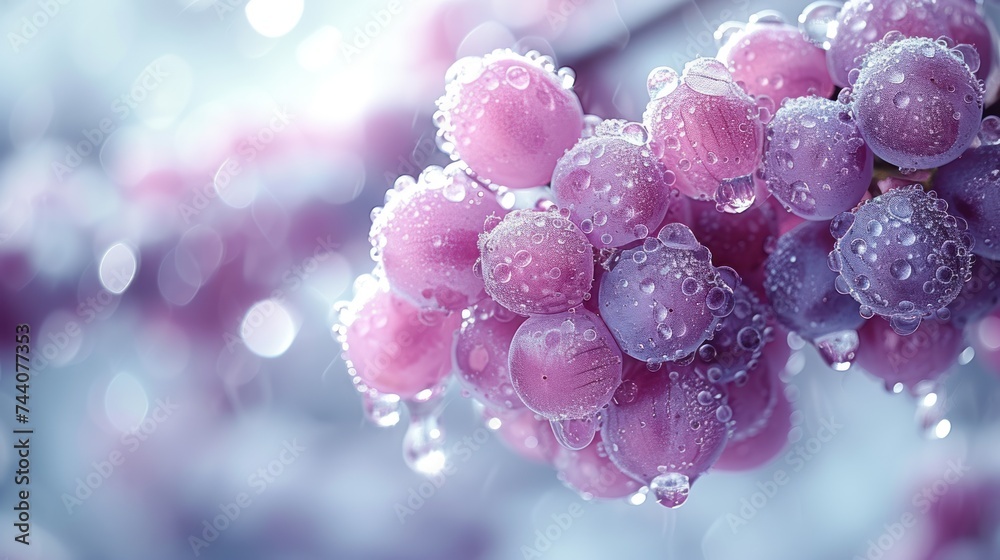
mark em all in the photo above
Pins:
pixel 185 189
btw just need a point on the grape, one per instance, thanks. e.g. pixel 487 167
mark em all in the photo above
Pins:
pixel 427 237
pixel 922 356
pixel 901 255
pixel 861 23
pixel 614 186
pixel 526 434
pixel 815 161
pixel 591 473
pixel 971 186
pixel 509 117
pixel 738 341
pixel 916 102
pixel 536 262
pixel 979 296
pixel 565 367
pixel 481 354
pixel 966 24
pixel 736 240
pixel 393 347
pixel 800 286
pixel 710 130
pixel 663 299
pixel 666 428
pixel 772 58
pixel 752 399
pixel 765 444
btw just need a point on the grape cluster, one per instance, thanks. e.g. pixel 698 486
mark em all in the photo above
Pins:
pixel 631 324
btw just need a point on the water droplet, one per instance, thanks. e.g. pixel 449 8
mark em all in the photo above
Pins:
pixel 901 100
pixel 574 433
pixel 670 489
pixel 502 273
pixel 661 82
pixel 900 269
pixel 518 77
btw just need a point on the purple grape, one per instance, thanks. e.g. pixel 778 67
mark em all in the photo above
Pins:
pixel 427 237
pixel 800 286
pixel 536 262
pixel 509 117
pixel 924 355
pixel 815 161
pixel 966 24
pixel 664 299
pixel 735 240
pixel 773 58
pixel 902 256
pixel 591 473
pixel 613 184
pixel 917 102
pixel 710 130
pixel 752 400
pixel 979 296
pixel 738 341
pixel 565 367
pixel 971 186
pixel 666 428
pixel 481 356
pixel 862 23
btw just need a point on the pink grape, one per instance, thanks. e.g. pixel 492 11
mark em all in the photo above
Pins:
pixel 393 347
pixel 922 356
pixel 769 440
pixel 481 356
pixel 773 58
pixel 536 262
pixel 901 255
pixel 591 473
pixel 710 130
pixel 666 428
pixel 565 366
pixel 815 161
pixel 613 184
pixel 735 240
pixel 509 117
pixel 917 102
pixel 525 433
pixel 662 300
pixel 426 237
